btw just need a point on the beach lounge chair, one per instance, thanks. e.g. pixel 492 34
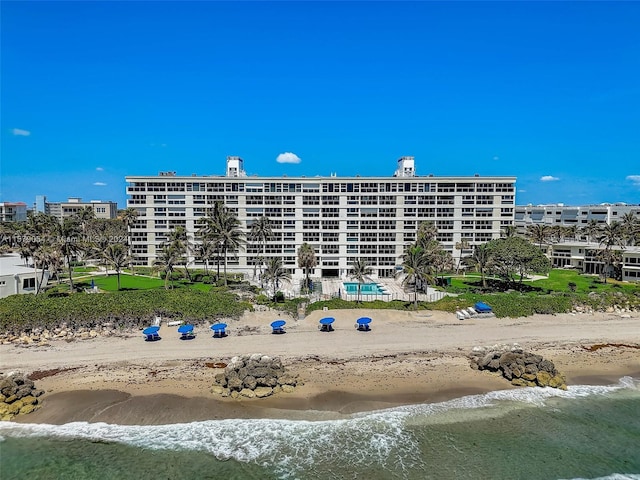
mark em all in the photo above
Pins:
pixel 326 324
pixel 278 327
pixel 362 324
pixel 219 330
pixel 459 315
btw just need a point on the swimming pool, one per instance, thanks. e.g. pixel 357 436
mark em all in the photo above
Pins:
pixel 365 288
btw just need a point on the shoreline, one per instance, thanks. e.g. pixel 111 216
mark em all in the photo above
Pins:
pixel 407 358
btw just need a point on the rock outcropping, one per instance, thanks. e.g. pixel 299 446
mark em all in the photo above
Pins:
pixel 254 376
pixel 523 369
pixel 18 396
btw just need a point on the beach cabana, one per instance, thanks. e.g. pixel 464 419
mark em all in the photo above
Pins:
pixel 278 327
pixel 186 332
pixel 151 333
pixel 362 324
pixel 326 324
pixel 219 330
pixel 482 307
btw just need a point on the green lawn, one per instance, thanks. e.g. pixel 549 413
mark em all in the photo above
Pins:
pixel 128 282
pixel 559 280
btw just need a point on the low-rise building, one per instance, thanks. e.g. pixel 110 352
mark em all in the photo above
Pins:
pixel 13 211
pixel 16 277
pixel 585 258
pixel 101 209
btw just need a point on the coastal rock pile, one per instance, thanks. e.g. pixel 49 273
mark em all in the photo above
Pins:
pixel 523 369
pixel 18 396
pixel 254 376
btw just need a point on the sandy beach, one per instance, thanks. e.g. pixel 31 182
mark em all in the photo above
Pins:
pixel 406 358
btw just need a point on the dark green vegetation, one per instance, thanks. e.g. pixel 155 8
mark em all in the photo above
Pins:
pixel 124 309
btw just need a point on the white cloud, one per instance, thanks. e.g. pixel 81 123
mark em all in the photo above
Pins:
pixel 20 132
pixel 549 178
pixel 635 179
pixel 288 157
pixel 100 184
pixel 100 169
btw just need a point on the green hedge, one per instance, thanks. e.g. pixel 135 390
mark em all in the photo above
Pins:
pixel 136 308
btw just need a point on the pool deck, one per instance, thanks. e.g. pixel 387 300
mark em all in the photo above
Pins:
pixel 332 288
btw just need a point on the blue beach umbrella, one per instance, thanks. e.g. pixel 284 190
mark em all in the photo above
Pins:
pixel 327 320
pixel 218 326
pixel 150 330
pixel 278 324
pixel 363 321
pixel 185 329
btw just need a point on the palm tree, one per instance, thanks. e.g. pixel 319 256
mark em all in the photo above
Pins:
pixel 261 232
pixel 610 235
pixel 180 242
pixel 359 270
pixel 129 217
pixel 275 273
pixel 231 237
pixel 68 234
pixel 461 245
pixel 206 250
pixel 222 227
pixel 85 215
pixel 509 231
pixel 538 233
pixel 415 266
pixel 591 229
pixel 631 228
pixel 480 260
pixel 116 255
pixel 307 261
pixel 427 232
pixel 165 263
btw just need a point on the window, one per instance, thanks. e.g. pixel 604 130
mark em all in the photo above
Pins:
pixel 28 283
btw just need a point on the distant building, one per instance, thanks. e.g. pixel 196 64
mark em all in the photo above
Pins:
pixel 73 205
pixel 583 257
pixel 568 216
pixel 13 211
pixel 18 278
pixel 342 218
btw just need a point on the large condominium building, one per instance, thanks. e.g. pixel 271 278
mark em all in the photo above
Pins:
pixel 343 218
pixel 13 211
pixel 568 216
pixel 73 205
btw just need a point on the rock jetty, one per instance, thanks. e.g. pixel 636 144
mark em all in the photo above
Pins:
pixel 522 369
pixel 252 376
pixel 18 396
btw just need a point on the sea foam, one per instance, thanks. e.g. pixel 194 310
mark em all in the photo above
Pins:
pixel 382 436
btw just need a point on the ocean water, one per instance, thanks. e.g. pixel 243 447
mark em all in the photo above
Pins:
pixel 586 432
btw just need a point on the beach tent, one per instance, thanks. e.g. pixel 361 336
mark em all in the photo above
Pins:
pixel 278 326
pixel 362 324
pixel 482 307
pixel 326 324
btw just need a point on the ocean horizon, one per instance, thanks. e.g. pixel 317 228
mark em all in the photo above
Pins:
pixel 586 432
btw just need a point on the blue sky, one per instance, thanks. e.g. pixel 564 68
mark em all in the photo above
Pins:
pixel 548 92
